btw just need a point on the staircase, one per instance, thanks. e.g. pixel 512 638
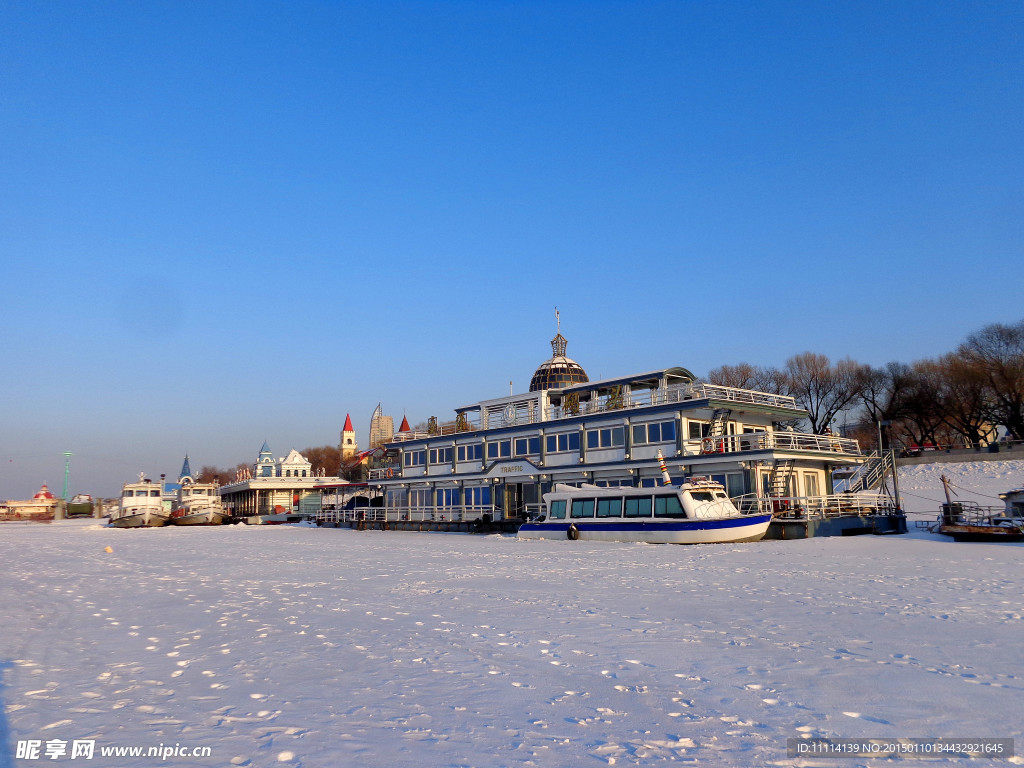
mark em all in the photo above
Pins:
pixel 778 478
pixel 719 419
pixel 871 475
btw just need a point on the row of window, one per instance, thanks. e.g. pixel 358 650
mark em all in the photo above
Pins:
pixel 476 496
pixel 596 439
pixel 632 506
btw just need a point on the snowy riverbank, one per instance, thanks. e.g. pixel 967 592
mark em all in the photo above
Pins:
pixel 293 646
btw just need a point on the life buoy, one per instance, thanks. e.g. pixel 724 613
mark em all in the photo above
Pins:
pixel 707 445
pixel 572 533
pixel 390 472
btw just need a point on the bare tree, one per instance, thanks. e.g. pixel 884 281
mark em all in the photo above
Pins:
pixel 998 352
pixel 325 459
pixel 964 398
pixel 747 376
pixel 823 389
pixel 925 417
pixel 740 376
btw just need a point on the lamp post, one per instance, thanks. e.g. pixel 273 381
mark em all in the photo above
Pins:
pixel 67 471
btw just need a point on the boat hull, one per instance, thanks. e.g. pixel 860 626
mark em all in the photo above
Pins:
pixel 140 520
pixel 728 530
pixel 982 532
pixel 203 517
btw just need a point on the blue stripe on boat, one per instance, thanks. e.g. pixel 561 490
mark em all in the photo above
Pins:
pixel 588 524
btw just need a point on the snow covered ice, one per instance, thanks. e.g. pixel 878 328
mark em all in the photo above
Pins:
pixel 295 646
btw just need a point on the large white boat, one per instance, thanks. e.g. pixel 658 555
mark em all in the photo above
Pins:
pixel 697 512
pixel 142 505
pixel 198 504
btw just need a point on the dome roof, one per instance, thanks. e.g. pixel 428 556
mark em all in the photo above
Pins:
pixel 560 371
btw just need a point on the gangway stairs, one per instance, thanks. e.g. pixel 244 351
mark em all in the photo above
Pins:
pixel 779 477
pixel 871 475
pixel 719 420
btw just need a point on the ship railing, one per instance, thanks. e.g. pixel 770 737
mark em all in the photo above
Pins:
pixel 356 515
pixel 612 401
pixel 761 441
pixel 864 503
pixel 430 514
pixel 972 513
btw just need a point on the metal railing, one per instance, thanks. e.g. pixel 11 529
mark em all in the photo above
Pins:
pixel 761 441
pixel 466 513
pixel 677 393
pixel 816 507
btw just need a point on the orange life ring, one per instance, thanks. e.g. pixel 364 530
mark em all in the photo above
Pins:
pixel 390 472
pixel 707 445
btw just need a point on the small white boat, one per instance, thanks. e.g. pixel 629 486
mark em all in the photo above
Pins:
pixel 142 505
pixel 198 504
pixel 696 512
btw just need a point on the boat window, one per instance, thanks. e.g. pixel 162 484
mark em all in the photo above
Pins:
pixel 609 507
pixel 527 446
pixel 129 494
pixel 659 432
pixel 668 506
pixel 154 493
pixel 638 507
pixel 583 508
pixel 440 455
pixel 500 449
pixel 558 509
pixel 567 441
pixel 721 495
pixel 701 496
pixel 470 452
pixel 612 437
pixel 810 484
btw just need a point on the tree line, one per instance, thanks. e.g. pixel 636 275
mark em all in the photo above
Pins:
pixel 958 398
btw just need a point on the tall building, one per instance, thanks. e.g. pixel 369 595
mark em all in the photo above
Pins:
pixel 382 428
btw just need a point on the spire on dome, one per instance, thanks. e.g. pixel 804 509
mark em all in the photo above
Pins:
pixel 348 424
pixel 558 345
pixel 559 371
pixel 405 425
pixel 186 470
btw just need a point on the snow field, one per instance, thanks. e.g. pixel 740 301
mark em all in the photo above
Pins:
pixel 294 646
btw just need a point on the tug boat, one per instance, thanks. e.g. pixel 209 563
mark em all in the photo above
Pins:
pixel 697 512
pixel 197 504
pixel 142 505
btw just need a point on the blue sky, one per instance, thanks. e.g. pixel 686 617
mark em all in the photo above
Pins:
pixel 224 223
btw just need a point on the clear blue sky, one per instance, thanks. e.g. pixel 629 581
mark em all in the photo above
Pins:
pixel 224 223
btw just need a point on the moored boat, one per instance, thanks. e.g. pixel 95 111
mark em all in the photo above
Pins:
pixel 141 505
pixel 81 505
pixel 697 512
pixel 198 504
pixel 969 521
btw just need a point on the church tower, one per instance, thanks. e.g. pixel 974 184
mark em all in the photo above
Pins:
pixel 349 447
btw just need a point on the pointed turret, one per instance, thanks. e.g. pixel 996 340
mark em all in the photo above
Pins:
pixel 186 470
pixel 349 447
pixel 405 425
